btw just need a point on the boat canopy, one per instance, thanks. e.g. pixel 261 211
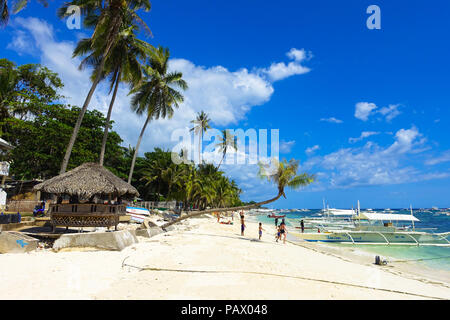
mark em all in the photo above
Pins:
pixel 387 216
pixel 340 212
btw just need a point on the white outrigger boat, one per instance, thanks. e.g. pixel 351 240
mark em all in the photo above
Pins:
pixel 138 214
pixel 377 228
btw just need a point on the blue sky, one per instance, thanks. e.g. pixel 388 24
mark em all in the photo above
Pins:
pixel 365 110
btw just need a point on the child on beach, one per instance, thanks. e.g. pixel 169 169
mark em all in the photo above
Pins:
pixel 260 230
pixel 242 227
pixel 278 237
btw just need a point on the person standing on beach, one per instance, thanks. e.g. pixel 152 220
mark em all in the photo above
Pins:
pixel 260 230
pixel 242 223
pixel 283 231
pixel 242 227
pixel 276 222
pixel 302 225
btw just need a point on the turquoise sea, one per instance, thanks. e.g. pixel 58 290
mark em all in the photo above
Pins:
pixel 437 257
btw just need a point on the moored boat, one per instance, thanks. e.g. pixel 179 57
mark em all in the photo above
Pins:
pixel 367 230
pixel 138 214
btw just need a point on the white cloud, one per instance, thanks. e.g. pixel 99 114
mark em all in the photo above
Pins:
pixel 280 70
pixel 364 110
pixel 372 164
pixel 390 112
pixel 227 96
pixel 331 120
pixel 364 135
pixel 309 151
pixel 444 157
pixel 299 55
pixel 286 146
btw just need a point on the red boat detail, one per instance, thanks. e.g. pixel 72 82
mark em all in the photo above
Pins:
pixel 273 216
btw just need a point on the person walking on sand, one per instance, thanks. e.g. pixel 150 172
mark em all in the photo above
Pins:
pixel 278 236
pixel 302 225
pixel 242 227
pixel 260 230
pixel 283 231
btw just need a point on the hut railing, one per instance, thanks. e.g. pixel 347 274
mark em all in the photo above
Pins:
pixel 86 214
pixel 88 208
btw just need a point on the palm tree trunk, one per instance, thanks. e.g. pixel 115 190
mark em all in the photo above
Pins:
pixel 223 157
pixel 200 147
pixel 108 118
pixel 76 129
pixel 199 213
pixel 130 175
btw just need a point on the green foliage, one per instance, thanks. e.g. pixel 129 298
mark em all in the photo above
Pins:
pixel 284 174
pixel 158 178
pixel 40 142
pixel 25 91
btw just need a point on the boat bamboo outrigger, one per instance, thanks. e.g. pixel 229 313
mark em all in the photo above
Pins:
pixel 378 228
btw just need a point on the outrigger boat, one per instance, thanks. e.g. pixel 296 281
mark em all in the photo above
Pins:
pixel 138 214
pixel 378 228
pixel 275 216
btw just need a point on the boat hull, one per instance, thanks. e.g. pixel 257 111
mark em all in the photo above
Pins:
pixel 138 214
pixel 361 237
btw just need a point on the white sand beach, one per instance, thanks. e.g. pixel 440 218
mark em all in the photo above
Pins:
pixel 202 259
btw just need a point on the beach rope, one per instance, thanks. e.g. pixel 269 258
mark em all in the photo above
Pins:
pixel 276 275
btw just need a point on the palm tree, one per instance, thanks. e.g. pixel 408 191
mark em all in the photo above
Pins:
pixel 284 175
pixel 107 18
pixel 201 125
pixel 18 6
pixel 227 140
pixel 122 65
pixel 155 95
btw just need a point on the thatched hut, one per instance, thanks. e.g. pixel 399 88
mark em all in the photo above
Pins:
pixel 85 185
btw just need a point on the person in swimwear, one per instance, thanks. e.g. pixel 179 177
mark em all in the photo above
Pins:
pixel 283 231
pixel 260 230
pixel 242 227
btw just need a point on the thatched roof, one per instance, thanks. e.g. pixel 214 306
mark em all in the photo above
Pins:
pixel 87 180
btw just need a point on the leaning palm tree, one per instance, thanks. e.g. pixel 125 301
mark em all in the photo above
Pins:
pixel 228 140
pixel 107 18
pixel 155 95
pixel 18 6
pixel 283 174
pixel 201 125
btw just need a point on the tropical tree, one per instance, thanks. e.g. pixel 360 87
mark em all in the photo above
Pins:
pixel 122 65
pixel 227 140
pixel 18 6
pixel 201 125
pixel 39 142
pixel 107 18
pixel 25 91
pixel 155 95
pixel 283 174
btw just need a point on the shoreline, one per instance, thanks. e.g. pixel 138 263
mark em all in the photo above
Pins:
pixel 414 270
pixel 204 260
